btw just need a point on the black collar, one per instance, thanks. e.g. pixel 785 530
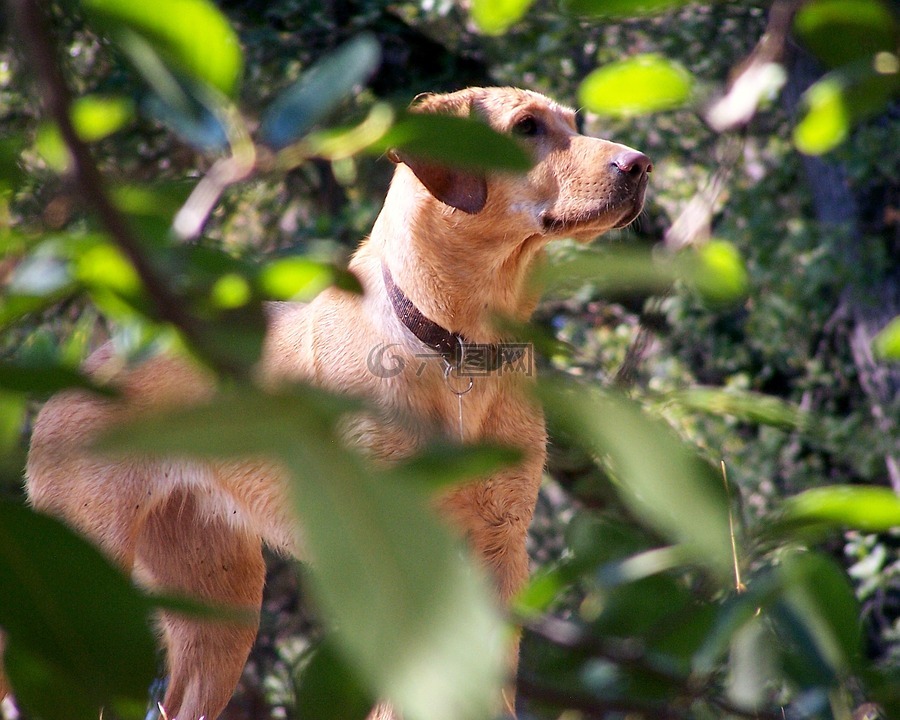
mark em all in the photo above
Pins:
pixel 465 357
pixel 448 345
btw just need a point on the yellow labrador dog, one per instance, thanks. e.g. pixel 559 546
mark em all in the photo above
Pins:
pixel 449 251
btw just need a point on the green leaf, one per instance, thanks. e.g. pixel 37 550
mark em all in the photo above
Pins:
pixel 843 97
pixel 44 379
pixel 620 8
pixel 94 117
pixel 658 477
pixel 329 688
pixel 640 607
pixel 822 595
pixel 192 35
pixel 97 116
pixel 103 265
pixel 747 406
pixel 733 615
pixel 455 141
pixel 302 278
pixel 318 91
pixel 801 653
pixel 442 464
pixel 639 85
pixel 839 32
pixel 11 172
pixel 858 507
pixel 16 306
pixel 60 636
pixel 413 618
pixel 44 689
pixel 715 270
pixel 719 274
pixel 12 418
pixel 752 664
pixel 494 17
pixel 191 117
pixel 340 143
pixel 608 270
pixel 886 344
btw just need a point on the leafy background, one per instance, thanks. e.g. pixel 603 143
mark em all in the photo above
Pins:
pixel 736 322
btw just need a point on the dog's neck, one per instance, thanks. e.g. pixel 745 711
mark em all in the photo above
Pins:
pixel 454 268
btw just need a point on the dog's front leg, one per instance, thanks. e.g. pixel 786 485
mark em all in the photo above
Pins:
pixel 494 516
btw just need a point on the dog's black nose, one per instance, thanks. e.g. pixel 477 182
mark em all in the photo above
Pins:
pixel 632 161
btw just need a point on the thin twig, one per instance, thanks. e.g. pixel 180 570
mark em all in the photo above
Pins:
pixel 738 584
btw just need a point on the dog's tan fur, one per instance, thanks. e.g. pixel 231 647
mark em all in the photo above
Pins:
pixel 460 246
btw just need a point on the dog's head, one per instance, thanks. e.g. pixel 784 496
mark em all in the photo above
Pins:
pixel 578 186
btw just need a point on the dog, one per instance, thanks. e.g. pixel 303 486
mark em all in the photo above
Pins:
pixel 450 251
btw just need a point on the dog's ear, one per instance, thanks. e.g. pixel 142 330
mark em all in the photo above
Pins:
pixel 466 191
pixel 457 188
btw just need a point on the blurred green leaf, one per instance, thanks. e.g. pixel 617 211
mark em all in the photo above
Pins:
pixel 599 549
pixel 886 344
pixel 734 614
pixel 835 103
pixel 638 609
pixel 843 31
pixel 190 118
pixel 230 291
pixel 97 116
pixel 715 270
pixel 823 596
pixel 413 617
pixel 657 476
pixel 635 86
pixel 11 172
pixel 866 508
pixel 218 291
pixel 43 380
pixel 494 17
pixel 801 652
pixel 61 638
pixel 608 269
pixel 752 664
pixel 329 688
pixel 192 35
pixel 94 117
pixel 620 8
pixel 455 141
pixel 45 689
pixel 150 210
pixel 103 265
pixel 747 406
pixel 641 566
pixel 318 91
pixel 16 306
pixel 440 465
pixel 719 274
pixel 12 417
pixel 50 146
pixel 301 278
pixel 340 143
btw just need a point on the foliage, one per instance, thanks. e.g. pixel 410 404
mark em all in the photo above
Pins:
pixel 669 600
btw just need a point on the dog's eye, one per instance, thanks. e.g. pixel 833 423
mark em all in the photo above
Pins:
pixel 528 126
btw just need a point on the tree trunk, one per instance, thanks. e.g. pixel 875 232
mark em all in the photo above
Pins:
pixel 865 310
